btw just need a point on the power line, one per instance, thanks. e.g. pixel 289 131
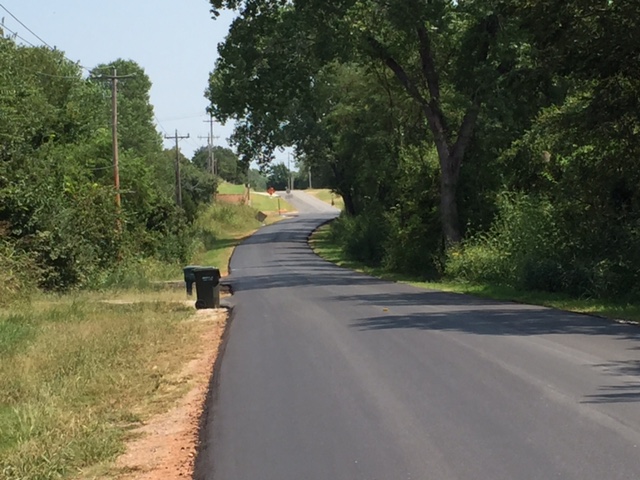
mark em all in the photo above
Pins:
pixel 35 35
pixel 31 31
pixel 34 46
pixel 4 27
pixel 160 125
pixel 56 76
pixel 183 118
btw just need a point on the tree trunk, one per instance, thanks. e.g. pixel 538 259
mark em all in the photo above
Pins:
pixel 450 148
pixel 450 162
pixel 448 203
pixel 349 205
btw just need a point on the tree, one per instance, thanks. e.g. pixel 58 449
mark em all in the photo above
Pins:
pixel 57 209
pixel 278 176
pixel 449 57
pixel 227 163
pixel 257 180
pixel 136 127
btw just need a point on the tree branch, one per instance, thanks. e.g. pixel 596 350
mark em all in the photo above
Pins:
pixel 434 117
pixel 465 133
pixel 428 64
pixel 397 69
pixel 491 26
pixel 430 74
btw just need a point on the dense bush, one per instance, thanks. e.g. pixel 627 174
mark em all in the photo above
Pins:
pixel 364 237
pixel 18 273
pixel 533 246
pixel 524 248
pixel 58 219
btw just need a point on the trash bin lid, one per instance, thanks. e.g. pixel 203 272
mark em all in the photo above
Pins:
pixel 208 271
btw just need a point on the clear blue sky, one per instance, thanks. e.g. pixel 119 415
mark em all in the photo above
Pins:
pixel 175 41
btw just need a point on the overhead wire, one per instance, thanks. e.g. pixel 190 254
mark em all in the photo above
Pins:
pixel 34 46
pixel 35 35
pixel 185 118
pixel 4 27
pixel 31 31
pixel 76 63
pixel 160 124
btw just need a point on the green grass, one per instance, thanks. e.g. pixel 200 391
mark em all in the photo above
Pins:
pixel 219 254
pixel 263 203
pixel 14 330
pixel 326 196
pixel 323 245
pixel 229 188
pixel 222 227
pixel 266 203
pixel 77 373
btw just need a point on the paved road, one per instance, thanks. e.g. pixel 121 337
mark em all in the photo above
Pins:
pixel 331 375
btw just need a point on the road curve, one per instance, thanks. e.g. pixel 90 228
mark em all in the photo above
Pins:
pixel 332 375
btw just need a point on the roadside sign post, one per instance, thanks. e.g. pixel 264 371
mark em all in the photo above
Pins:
pixel 271 191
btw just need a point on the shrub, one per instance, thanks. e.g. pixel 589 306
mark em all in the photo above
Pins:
pixel 522 248
pixel 19 275
pixel 362 237
pixel 536 245
pixel 414 244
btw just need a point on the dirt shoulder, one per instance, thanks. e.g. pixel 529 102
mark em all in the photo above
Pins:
pixel 165 447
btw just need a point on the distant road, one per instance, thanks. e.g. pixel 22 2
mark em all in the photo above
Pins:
pixel 333 375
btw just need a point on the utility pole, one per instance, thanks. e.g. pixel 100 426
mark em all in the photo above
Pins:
pixel 212 160
pixel 177 138
pixel 310 187
pixel 289 168
pixel 209 163
pixel 114 132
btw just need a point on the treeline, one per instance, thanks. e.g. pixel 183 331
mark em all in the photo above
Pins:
pixel 59 225
pixel 481 140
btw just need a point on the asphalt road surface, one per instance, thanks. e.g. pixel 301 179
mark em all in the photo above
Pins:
pixel 330 375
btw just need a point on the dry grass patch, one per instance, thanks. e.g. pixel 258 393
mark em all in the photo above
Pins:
pixel 327 196
pixel 166 447
pixel 79 374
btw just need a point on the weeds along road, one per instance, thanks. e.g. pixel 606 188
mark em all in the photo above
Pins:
pixel 332 375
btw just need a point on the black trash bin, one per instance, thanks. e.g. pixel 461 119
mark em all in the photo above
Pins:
pixel 189 277
pixel 207 287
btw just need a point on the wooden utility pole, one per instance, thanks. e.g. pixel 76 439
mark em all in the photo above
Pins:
pixel 114 132
pixel 208 137
pixel 213 168
pixel 177 138
pixel 290 182
pixel 210 159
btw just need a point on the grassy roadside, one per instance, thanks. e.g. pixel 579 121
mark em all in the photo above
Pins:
pixel 266 203
pixel 259 201
pixel 326 196
pixel 80 371
pixel 222 227
pixel 325 247
pixel 227 188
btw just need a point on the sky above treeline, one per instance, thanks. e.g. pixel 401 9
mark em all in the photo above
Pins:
pixel 175 41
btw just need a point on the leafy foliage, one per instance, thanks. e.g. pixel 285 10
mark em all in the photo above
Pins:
pixel 442 121
pixel 59 226
pixel 278 177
